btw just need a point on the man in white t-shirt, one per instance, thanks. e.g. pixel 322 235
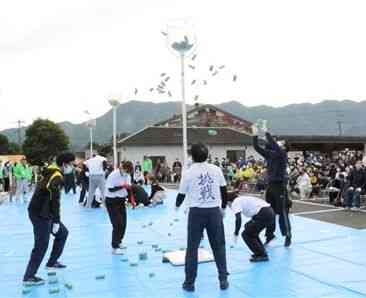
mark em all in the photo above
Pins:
pixel 97 166
pixel 118 182
pixel 262 217
pixel 204 186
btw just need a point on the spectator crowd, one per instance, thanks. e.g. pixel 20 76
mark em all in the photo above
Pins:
pixel 340 177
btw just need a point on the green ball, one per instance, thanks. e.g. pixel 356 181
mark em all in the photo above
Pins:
pixel 212 132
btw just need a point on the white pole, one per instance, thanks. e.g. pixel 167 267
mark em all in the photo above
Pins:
pixel 91 141
pixel 115 137
pixel 184 113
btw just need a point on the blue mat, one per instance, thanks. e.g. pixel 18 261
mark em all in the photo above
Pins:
pixel 325 260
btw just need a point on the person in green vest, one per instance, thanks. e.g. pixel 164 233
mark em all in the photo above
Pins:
pixel 28 177
pixel 147 167
pixel 19 172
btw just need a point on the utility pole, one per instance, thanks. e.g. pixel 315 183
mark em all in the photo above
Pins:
pixel 19 134
pixel 339 115
pixel 339 122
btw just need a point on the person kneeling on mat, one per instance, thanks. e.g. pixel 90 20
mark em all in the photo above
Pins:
pixel 158 193
pixel 262 217
pixel 44 213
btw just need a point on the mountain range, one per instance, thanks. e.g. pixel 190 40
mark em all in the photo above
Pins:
pixel 328 117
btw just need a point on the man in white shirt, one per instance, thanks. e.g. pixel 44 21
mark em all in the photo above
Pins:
pixel 304 184
pixel 262 217
pixel 205 187
pixel 97 166
pixel 118 182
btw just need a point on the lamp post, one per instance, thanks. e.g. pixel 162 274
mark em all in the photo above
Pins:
pixel 181 41
pixel 91 123
pixel 114 103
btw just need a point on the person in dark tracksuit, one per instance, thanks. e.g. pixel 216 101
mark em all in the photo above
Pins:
pixel 84 182
pixel 261 217
pixel 205 186
pixel 357 181
pixel 276 192
pixel 44 213
pixel 69 181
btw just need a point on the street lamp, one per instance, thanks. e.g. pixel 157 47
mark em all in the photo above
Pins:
pixel 91 123
pixel 181 41
pixel 114 103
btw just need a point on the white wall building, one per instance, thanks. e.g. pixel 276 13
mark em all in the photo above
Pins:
pixel 225 134
pixel 165 143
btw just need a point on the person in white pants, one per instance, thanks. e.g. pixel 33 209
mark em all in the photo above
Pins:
pixel 304 184
pixel 97 166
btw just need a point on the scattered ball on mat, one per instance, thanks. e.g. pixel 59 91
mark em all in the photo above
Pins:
pixel 143 256
pixel 28 285
pixel 52 281
pixel 54 291
pixel 140 242
pixel 151 275
pixel 68 286
pixel 155 246
pixel 176 219
pixel 25 291
pixel 165 260
pixel 102 276
pixel 171 224
pixel 124 260
pixel 182 248
pixel 150 223
pixel 231 246
pixel 52 273
pixel 133 264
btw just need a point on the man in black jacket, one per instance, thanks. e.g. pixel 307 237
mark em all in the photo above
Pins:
pixel 44 213
pixel 276 193
pixel 357 180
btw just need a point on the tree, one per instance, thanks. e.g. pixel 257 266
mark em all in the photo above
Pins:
pixel 4 144
pixel 106 149
pixel 96 146
pixel 102 149
pixel 44 139
pixel 14 148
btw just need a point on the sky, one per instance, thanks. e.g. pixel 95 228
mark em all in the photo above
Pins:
pixel 60 58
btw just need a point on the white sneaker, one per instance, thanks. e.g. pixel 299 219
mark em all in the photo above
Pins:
pixel 355 209
pixel 117 251
pixel 121 246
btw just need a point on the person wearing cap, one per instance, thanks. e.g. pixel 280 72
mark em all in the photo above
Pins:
pixel 275 154
pixel 204 186
pixel 261 217
pixel 44 214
